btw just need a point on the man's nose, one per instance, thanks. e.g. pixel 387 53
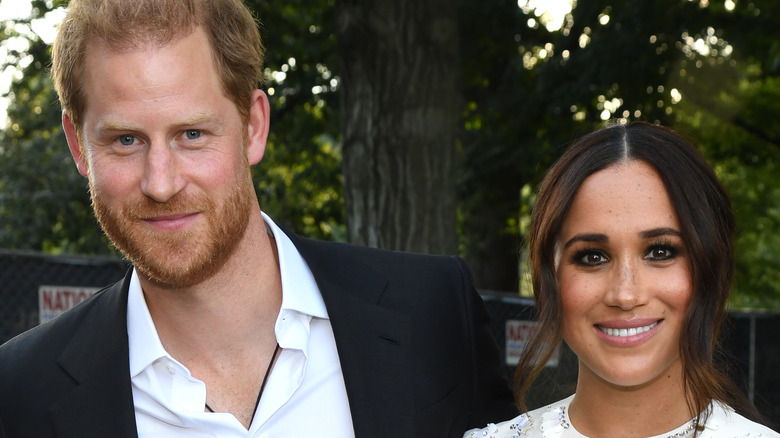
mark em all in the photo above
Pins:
pixel 161 179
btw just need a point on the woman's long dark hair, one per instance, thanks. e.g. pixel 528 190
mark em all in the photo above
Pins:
pixel 707 224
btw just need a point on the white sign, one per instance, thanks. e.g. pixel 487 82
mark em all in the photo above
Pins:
pixel 518 333
pixel 53 300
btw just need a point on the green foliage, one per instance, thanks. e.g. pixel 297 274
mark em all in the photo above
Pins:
pixel 710 72
pixel 299 180
pixel 705 70
pixel 740 142
pixel 44 203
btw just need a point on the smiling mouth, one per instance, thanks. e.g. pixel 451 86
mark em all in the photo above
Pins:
pixel 626 332
pixel 170 217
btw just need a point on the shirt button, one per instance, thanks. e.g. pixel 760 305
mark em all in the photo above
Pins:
pixel 170 367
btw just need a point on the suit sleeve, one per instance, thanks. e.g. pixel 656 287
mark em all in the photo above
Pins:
pixel 492 399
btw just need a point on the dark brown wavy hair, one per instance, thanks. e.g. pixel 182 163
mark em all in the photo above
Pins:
pixel 707 224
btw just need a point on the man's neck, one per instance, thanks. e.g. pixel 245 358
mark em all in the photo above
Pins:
pixel 233 310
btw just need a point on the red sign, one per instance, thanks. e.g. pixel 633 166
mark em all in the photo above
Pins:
pixel 53 300
pixel 517 335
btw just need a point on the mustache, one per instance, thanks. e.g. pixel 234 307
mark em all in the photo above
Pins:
pixel 177 205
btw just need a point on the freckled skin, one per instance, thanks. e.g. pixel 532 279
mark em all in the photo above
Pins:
pixel 625 285
pixel 628 277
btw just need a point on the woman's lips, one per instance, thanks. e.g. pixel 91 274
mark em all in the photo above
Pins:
pixel 624 332
pixel 628 333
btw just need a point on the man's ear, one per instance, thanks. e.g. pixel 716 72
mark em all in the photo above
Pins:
pixel 257 129
pixel 73 143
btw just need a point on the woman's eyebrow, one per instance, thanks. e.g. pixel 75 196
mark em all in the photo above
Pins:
pixel 602 238
pixel 587 237
pixel 658 232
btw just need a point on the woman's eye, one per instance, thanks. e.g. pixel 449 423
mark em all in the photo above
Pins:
pixel 126 140
pixel 192 134
pixel 661 253
pixel 590 258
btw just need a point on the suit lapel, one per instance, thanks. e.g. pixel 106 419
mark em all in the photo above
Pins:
pixel 101 404
pixel 374 343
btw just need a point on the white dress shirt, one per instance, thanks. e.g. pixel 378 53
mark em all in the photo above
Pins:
pixel 304 395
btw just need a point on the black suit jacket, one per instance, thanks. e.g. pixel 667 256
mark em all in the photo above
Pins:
pixel 416 351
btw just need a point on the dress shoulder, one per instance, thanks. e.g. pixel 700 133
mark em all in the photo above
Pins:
pixel 552 420
pixel 546 421
pixel 724 422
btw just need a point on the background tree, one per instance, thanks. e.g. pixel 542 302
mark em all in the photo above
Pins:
pixel 524 86
pixel 694 66
pixel 299 182
pixel 399 114
pixel 44 203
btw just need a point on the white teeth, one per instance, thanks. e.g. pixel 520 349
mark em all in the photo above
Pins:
pixel 627 332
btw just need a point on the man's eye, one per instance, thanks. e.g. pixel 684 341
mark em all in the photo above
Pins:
pixel 192 134
pixel 126 140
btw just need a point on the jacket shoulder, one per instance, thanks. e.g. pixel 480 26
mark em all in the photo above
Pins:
pixel 43 344
pixel 70 374
pixel 383 261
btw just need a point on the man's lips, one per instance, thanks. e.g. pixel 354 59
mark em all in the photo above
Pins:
pixel 170 222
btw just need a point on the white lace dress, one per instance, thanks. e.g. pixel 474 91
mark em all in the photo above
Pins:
pixel 553 421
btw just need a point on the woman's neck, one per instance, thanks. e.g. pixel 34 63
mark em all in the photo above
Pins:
pixel 605 410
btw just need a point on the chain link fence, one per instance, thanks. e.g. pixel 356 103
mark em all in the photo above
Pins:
pixel 36 287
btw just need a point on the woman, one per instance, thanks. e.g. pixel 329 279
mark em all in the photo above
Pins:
pixel 632 258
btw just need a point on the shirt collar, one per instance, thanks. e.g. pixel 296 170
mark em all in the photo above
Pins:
pixel 145 346
pixel 299 289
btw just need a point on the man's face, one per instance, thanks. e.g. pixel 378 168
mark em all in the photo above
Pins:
pixel 166 156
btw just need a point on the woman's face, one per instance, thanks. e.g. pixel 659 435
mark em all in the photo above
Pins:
pixel 624 278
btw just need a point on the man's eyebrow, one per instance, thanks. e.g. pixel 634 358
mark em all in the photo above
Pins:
pixel 587 237
pixel 197 119
pixel 113 125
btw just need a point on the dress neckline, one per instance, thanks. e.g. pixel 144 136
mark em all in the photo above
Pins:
pixel 555 422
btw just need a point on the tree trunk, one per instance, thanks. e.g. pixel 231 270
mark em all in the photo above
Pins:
pixel 400 115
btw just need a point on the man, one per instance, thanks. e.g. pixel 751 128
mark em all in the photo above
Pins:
pixel 228 325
